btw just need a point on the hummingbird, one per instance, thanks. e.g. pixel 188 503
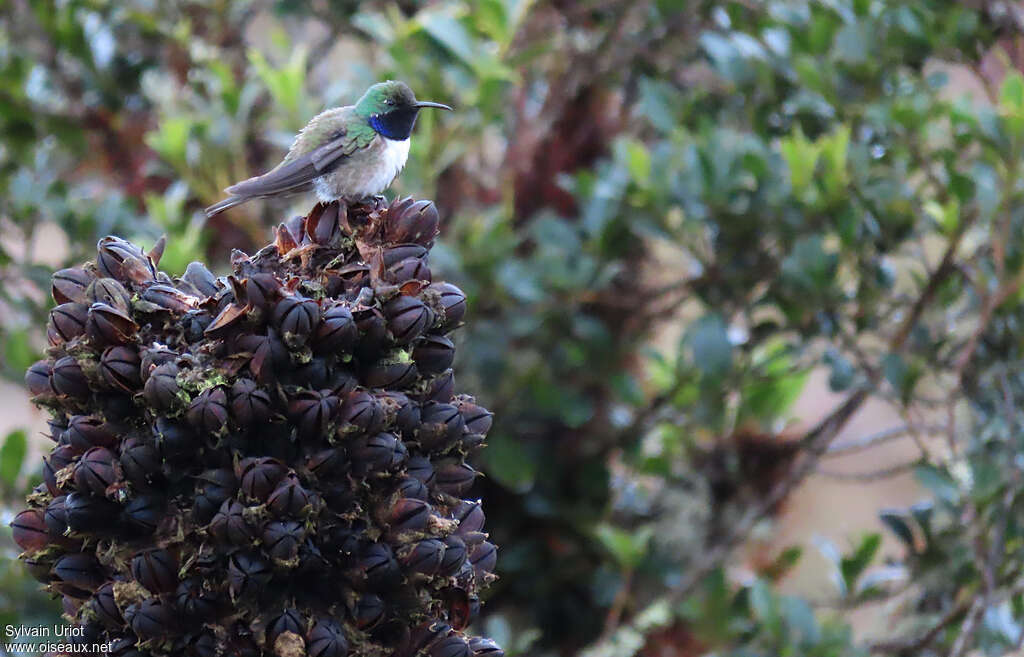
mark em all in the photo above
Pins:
pixel 345 153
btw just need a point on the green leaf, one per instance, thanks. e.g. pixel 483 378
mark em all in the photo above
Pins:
pixel 12 456
pixel 938 481
pixel 853 565
pixel 509 463
pixel 709 341
pixel 18 351
pixel 1011 94
pixel 638 161
pixel 628 547
pixel 896 521
pixel 449 32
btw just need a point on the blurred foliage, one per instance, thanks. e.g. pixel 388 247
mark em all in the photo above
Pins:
pixel 777 186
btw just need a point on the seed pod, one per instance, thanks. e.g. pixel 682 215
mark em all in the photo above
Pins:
pixel 442 424
pixel 37 379
pixel 441 388
pixel 95 471
pixel 104 606
pixel 281 539
pixel 248 573
pixel 379 453
pixel 208 412
pixel 411 221
pixel 193 601
pixel 119 367
pixel 326 639
pixel 199 277
pixel 170 298
pixel 229 524
pixel 87 431
pixel 67 322
pixel 262 290
pixel 140 461
pixel 289 498
pixel 408 318
pixel 87 514
pixel 195 323
pixel 250 404
pixel 29 531
pixel 361 412
pixel 484 647
pixel 155 356
pixel 410 269
pixel 378 565
pixel 433 354
pixel 470 516
pixel 269 355
pixel 204 644
pixel 67 379
pixel 106 325
pixel 120 259
pixel 213 487
pixel 421 468
pixel 69 285
pixel 143 514
pixel 478 419
pixel 161 389
pixel 337 332
pixel 290 620
pixel 424 557
pixel 369 611
pixel 394 374
pixel 413 488
pixel 53 463
pixel 452 302
pixel 451 646
pixel 314 373
pixel 373 329
pixel 156 569
pixel 55 517
pixel 407 514
pixel 454 555
pixel 312 411
pixel 79 570
pixel 151 619
pixel 110 292
pixel 177 442
pixel 483 557
pixel 325 463
pixel 297 318
pixel 260 476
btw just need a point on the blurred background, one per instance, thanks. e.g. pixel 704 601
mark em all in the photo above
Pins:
pixel 744 280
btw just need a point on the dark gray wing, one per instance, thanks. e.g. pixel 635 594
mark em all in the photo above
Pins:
pixel 297 173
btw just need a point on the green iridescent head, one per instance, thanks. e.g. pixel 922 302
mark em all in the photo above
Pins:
pixel 391 108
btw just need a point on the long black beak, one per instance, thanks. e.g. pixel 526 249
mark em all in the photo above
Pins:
pixel 426 103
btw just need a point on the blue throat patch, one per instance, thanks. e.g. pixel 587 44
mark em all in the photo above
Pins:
pixel 396 124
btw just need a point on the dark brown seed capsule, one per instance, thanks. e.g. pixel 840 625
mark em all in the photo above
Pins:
pixel 156 569
pixel 424 557
pixel 373 328
pixel 155 356
pixel 208 412
pixel 170 298
pixel 105 606
pixel 229 524
pixel 95 470
pixel 248 574
pixel 451 646
pixel 421 468
pixel 152 619
pixel 161 389
pixel 289 498
pixel 478 419
pixel 377 562
pixel 110 292
pixel 413 488
pixel 407 514
pixel 337 332
pixel 408 318
pixel 454 555
pixel 29 531
pixel 119 367
pixel 391 374
pixel 69 285
pixel 290 620
pixel 326 639
pixel 455 478
pixel 281 539
pixel 67 322
pixel 199 277
pixel 433 354
pixel 470 516
pixel 326 463
pixel 411 221
pixel 369 611
pixel 311 412
pixel 194 601
pixel 442 424
pixel 377 454
pixel 120 259
pixel 144 513
pixel 55 517
pixel 140 461
pixel 262 290
pixel 87 514
pixel 297 318
pixel 361 412
pixel 441 388
pixel 250 404
pixel 213 487
pixel 79 570
pixel 452 302
pixel 260 476
pixel 269 356
pixel 176 440
pixel 107 325
pixel 87 431
pixel 410 269
pixel 405 412
pixel 37 378
pixel 483 557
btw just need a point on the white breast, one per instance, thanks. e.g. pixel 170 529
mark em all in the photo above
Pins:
pixel 365 173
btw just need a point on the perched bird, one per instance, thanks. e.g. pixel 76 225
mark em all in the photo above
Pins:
pixel 348 153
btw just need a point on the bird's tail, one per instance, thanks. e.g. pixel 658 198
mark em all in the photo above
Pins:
pixel 229 202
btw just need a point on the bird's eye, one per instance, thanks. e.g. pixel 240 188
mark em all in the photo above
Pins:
pixel 390 101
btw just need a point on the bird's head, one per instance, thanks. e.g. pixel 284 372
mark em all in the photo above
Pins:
pixel 391 109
